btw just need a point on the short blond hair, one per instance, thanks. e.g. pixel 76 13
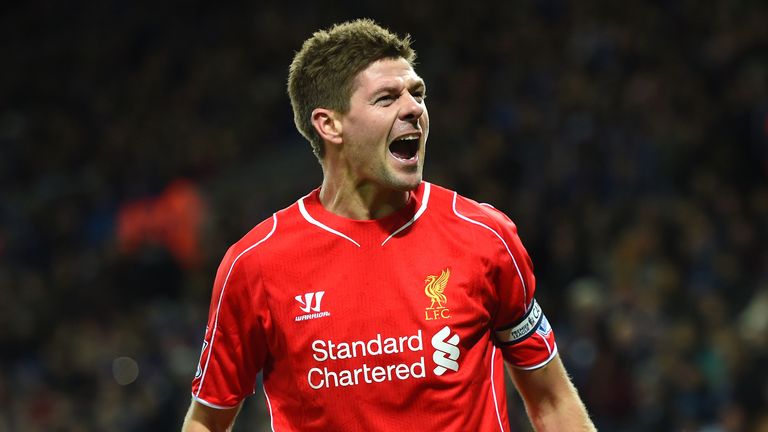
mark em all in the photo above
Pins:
pixel 322 73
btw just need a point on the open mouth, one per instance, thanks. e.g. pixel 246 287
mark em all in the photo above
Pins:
pixel 405 148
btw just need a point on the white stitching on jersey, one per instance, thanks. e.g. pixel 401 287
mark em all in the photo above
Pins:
pixel 221 297
pixel 315 222
pixel 269 404
pixel 493 388
pixel 421 210
pixel 514 261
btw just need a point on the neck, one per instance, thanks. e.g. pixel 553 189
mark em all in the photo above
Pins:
pixel 360 201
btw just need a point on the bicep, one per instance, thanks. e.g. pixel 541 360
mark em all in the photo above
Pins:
pixel 202 418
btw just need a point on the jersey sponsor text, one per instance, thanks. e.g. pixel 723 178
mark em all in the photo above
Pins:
pixel 445 356
pixel 327 349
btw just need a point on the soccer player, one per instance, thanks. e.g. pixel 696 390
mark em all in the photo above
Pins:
pixel 379 301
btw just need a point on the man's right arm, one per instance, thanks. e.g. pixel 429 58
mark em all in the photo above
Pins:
pixel 201 418
pixel 234 346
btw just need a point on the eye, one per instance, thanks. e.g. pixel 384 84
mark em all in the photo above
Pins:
pixel 384 100
pixel 419 96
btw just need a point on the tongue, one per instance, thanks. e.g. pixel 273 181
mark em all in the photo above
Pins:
pixel 403 149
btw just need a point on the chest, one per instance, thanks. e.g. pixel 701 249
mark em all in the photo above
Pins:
pixel 342 293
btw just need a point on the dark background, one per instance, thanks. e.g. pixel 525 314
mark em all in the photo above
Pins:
pixel 628 141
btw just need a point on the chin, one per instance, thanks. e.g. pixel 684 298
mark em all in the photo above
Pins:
pixel 399 178
pixel 407 184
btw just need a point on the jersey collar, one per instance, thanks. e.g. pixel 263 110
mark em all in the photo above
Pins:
pixel 366 232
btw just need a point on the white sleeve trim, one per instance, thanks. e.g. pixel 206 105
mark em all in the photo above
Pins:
pixel 540 365
pixel 211 405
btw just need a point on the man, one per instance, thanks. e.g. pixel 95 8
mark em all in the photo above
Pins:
pixel 378 302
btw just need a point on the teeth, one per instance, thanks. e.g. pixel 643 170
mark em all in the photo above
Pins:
pixel 408 137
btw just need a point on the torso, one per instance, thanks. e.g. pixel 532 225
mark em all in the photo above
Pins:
pixel 370 325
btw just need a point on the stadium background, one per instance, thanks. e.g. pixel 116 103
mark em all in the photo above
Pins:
pixel 628 140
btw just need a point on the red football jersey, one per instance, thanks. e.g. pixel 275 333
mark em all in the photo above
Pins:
pixel 399 323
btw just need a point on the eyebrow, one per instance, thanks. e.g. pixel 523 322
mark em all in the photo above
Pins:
pixel 387 88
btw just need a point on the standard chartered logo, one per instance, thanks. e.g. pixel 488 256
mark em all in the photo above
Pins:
pixel 328 352
pixel 336 365
pixel 446 351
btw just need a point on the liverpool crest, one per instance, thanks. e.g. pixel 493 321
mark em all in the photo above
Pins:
pixel 435 291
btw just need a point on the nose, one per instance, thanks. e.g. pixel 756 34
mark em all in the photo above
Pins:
pixel 412 109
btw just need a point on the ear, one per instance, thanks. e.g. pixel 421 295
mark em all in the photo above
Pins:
pixel 327 124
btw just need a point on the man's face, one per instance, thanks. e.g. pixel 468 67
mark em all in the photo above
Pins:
pixel 385 131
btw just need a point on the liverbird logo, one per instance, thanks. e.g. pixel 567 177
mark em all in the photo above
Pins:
pixel 435 289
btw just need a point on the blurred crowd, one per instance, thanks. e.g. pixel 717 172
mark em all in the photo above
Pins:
pixel 627 140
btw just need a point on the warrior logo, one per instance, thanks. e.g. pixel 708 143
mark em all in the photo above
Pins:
pixel 434 290
pixel 306 302
pixel 446 351
pixel 311 311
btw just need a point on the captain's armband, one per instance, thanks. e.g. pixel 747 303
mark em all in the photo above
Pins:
pixel 533 321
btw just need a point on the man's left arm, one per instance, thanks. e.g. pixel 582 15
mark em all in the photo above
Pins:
pixel 551 399
pixel 526 340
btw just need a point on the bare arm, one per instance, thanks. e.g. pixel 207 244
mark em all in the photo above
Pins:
pixel 551 399
pixel 201 418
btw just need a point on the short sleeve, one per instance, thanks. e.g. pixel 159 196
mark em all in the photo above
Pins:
pixel 234 349
pixel 520 328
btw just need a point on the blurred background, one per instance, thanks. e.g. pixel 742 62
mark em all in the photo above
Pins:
pixel 628 140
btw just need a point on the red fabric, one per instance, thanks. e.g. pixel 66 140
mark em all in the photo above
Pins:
pixel 402 336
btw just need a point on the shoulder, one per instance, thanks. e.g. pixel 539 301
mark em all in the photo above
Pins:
pixel 265 234
pixel 468 211
pixel 253 238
